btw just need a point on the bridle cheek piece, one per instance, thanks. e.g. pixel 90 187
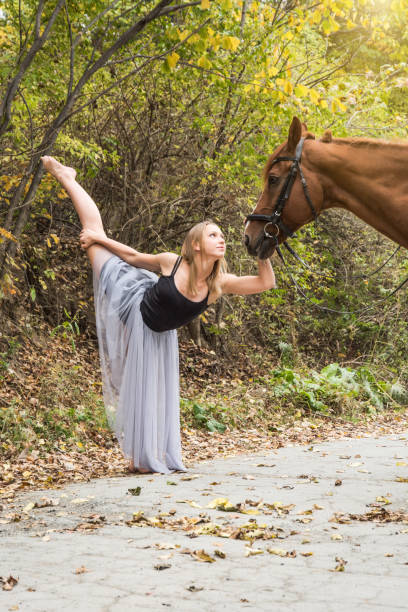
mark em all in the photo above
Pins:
pixel 274 219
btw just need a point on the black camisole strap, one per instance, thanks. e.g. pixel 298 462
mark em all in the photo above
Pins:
pixel 176 265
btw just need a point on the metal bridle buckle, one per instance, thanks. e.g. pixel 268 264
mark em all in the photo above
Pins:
pixel 267 234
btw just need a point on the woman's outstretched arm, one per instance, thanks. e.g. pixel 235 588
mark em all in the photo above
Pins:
pixel 245 285
pixel 156 263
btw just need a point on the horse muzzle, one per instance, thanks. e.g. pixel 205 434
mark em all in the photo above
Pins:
pixel 261 247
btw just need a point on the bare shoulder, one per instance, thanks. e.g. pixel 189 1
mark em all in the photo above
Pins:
pixel 167 261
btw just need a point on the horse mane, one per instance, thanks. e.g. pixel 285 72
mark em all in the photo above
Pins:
pixel 368 142
pixel 351 142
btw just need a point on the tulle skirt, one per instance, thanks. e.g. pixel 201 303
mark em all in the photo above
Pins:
pixel 140 370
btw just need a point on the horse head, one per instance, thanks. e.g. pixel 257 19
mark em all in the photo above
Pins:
pixel 289 203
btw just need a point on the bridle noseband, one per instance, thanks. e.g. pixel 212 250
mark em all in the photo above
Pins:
pixel 274 220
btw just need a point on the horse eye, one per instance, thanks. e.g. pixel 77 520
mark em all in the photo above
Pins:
pixel 272 180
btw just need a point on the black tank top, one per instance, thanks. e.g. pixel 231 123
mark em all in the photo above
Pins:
pixel 163 307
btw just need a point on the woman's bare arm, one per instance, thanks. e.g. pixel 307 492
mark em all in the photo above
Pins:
pixel 155 263
pixel 245 285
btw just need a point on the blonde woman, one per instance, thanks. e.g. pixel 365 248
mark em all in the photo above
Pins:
pixel 137 314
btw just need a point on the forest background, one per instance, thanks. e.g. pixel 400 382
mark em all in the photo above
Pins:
pixel 168 110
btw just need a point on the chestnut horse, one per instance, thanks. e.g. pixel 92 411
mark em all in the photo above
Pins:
pixel 368 177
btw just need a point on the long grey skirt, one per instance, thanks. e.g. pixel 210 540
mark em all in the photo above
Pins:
pixel 140 370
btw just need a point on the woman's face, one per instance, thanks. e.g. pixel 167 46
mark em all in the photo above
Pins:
pixel 213 241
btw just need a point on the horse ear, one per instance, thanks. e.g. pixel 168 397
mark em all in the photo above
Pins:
pixel 295 134
pixel 327 136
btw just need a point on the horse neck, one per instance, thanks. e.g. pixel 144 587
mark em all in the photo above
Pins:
pixel 367 177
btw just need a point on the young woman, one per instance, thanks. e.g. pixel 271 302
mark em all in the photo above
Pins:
pixel 137 314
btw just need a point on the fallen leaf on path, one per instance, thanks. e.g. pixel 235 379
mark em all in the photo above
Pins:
pixel 201 555
pixel 135 491
pixel 340 565
pixel 378 515
pixel 162 566
pixel 280 552
pixel 251 552
pixel 81 570
pixel 194 589
pixel 8 583
pixel 165 546
pixel 383 500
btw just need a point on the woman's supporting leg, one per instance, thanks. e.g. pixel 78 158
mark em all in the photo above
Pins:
pixel 84 205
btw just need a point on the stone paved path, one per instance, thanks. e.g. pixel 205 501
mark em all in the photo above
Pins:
pixel 82 554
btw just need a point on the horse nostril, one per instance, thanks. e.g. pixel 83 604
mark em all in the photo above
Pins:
pixel 246 239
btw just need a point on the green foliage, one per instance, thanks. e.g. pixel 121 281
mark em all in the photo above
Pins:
pixel 335 386
pixel 68 328
pixel 203 416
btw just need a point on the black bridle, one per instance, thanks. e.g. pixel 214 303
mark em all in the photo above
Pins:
pixel 275 219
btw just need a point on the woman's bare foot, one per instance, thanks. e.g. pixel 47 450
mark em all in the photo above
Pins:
pixel 59 171
pixel 140 470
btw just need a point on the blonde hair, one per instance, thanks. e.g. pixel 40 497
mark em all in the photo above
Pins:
pixel 187 251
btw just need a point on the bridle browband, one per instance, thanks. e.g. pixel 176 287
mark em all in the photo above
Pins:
pixel 275 219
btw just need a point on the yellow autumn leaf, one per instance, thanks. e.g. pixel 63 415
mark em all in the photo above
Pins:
pixel 55 238
pixel 230 43
pixel 183 35
pixel 250 552
pixel 201 555
pixel 277 551
pixel 383 500
pixel 301 91
pixel 314 96
pixel 6 234
pixel 205 4
pixel 173 59
pixel 204 62
pixel 288 88
pixel 341 106
pixel 195 38
pixel 316 17
pixel 221 503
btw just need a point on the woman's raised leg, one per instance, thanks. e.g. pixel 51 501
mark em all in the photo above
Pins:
pixel 84 205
